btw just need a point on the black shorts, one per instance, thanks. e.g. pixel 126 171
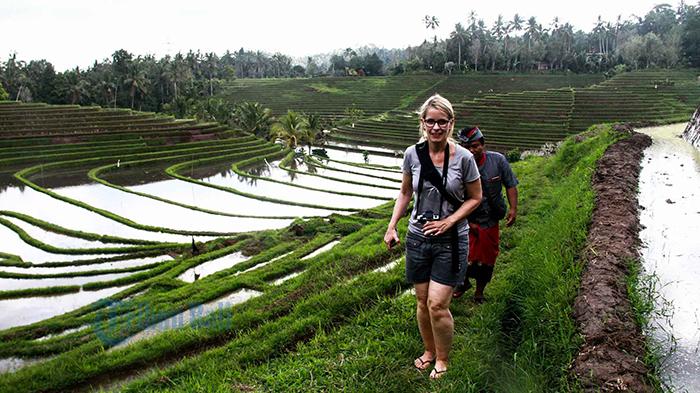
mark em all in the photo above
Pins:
pixel 430 258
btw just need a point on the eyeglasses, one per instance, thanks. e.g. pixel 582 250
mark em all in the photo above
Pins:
pixel 442 123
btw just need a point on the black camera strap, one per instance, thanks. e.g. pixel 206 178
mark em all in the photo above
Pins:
pixel 430 173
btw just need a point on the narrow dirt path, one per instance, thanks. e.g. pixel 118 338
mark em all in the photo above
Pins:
pixel 611 356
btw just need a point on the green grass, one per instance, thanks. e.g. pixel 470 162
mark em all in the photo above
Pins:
pixel 647 305
pixel 323 88
pixel 336 326
pixel 523 339
pixel 49 291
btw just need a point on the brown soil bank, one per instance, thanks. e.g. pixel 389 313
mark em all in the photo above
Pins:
pixel 611 356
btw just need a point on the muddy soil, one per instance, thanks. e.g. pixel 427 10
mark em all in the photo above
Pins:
pixel 611 356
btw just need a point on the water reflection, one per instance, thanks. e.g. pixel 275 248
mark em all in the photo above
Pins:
pixel 669 192
pixel 13 244
pixel 13 364
pixel 321 250
pixel 293 194
pixel 57 239
pixel 87 268
pixel 8 284
pixel 211 267
pixel 384 158
pixel 226 202
pixel 44 207
pixel 147 211
pixel 285 278
pixel 194 313
pixel 24 311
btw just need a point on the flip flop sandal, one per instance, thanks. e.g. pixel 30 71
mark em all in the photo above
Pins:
pixel 437 374
pixel 422 365
pixel 458 291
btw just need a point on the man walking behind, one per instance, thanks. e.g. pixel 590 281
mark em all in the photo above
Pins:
pixel 483 222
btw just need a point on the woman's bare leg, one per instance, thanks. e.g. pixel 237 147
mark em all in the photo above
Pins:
pixel 424 325
pixel 439 297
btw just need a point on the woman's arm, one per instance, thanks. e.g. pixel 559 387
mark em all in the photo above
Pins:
pixel 405 195
pixel 473 193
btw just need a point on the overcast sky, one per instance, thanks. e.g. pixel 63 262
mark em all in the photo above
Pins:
pixel 71 33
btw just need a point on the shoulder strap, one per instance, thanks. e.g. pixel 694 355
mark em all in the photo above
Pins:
pixel 429 173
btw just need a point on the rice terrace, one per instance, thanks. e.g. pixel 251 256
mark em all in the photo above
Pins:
pixel 225 233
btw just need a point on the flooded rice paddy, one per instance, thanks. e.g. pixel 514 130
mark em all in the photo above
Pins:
pixel 669 194
pixel 31 283
pixel 283 279
pixel 24 311
pixel 321 250
pixel 208 268
pixel 194 313
pixel 340 183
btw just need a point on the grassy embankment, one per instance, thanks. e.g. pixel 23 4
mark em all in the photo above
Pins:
pixel 522 339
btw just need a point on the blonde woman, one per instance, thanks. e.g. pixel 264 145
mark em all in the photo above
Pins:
pixel 444 178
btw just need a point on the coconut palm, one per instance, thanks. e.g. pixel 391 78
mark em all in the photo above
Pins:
pixel 211 68
pixel 459 35
pixel 79 87
pixel 179 72
pixel 313 134
pixel 513 26
pixel 432 22
pixel 290 129
pixel 533 31
pixel 253 118
pixel 137 82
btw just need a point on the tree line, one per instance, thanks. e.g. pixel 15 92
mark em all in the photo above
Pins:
pixel 664 37
pixel 148 83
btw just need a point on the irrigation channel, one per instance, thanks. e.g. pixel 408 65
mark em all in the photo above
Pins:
pixel 669 194
pixel 269 195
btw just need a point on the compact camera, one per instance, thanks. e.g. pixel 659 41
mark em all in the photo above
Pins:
pixel 427 216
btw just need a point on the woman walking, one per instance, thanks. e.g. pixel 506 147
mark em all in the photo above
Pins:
pixel 444 178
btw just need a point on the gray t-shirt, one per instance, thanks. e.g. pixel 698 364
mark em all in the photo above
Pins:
pixel 495 174
pixel 462 170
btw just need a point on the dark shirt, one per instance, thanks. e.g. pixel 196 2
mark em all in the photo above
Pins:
pixel 495 173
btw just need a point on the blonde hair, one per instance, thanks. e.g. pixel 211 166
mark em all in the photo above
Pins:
pixel 440 103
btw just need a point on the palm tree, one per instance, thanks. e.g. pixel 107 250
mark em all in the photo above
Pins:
pixel 499 31
pixel 517 23
pixel 78 86
pixel 211 63
pixel 349 54
pixel 290 129
pixel 179 72
pixel 313 134
pixel 475 50
pixel 459 34
pixel 108 90
pixel 432 22
pixel 251 117
pixel 599 31
pixel 137 82
pixel 78 91
pixel 513 26
pixel 533 31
